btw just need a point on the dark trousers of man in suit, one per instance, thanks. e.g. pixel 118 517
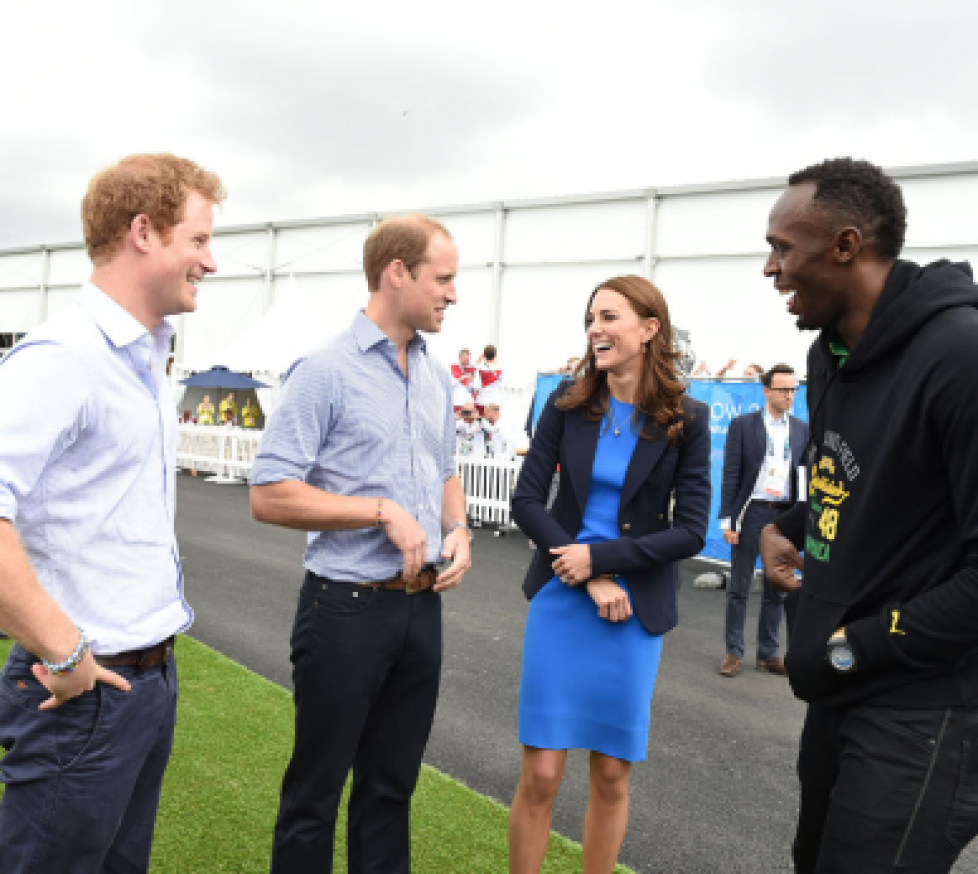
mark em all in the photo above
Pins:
pixel 744 557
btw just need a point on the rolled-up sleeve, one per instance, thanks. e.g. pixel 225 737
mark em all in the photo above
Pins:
pixel 298 429
pixel 45 401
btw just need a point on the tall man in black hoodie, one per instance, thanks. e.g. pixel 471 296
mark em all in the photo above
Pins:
pixel 885 643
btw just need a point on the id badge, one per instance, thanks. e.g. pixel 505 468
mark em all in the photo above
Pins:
pixel 774 483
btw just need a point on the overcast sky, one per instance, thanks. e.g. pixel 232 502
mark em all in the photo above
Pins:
pixel 311 109
pixel 314 109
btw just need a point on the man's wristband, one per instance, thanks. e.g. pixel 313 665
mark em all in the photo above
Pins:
pixel 73 661
pixel 455 525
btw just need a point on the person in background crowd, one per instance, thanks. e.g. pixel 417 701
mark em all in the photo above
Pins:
pixel 884 647
pixel 468 430
pixel 761 461
pixel 90 580
pixel 361 451
pixel 205 411
pixel 228 409
pixel 723 371
pixel 464 374
pixel 249 414
pixel 702 370
pixel 627 440
pixel 754 371
pixel 489 373
pixel 496 441
pixel 460 397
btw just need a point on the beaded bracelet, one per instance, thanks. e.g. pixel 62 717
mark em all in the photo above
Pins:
pixel 73 661
pixel 380 509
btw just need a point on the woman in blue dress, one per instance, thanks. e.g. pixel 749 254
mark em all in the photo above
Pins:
pixel 634 498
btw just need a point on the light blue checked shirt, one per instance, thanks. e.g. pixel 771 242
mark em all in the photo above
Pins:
pixel 87 463
pixel 349 422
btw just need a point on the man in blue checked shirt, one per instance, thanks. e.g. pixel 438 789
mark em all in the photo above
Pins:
pixel 361 451
pixel 90 580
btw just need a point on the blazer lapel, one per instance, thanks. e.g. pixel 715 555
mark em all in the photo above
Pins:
pixel 760 439
pixel 580 444
pixel 645 457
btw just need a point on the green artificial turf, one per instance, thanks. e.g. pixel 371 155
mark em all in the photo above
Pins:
pixel 220 795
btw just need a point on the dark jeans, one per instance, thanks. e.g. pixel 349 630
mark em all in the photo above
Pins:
pixel 744 557
pixel 886 789
pixel 366 667
pixel 82 781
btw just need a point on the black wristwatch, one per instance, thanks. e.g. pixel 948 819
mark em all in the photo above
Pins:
pixel 839 653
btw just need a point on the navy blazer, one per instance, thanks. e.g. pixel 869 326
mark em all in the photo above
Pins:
pixel 743 456
pixel 652 540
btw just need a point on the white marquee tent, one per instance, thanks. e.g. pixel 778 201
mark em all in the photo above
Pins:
pixel 526 270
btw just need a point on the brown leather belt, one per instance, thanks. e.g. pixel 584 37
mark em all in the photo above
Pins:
pixel 773 505
pixel 421 583
pixel 143 659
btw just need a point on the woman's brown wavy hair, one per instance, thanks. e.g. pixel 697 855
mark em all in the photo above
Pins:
pixel 660 389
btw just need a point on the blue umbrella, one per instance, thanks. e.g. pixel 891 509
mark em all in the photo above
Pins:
pixel 221 377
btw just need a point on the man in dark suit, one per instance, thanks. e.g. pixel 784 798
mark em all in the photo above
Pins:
pixel 760 481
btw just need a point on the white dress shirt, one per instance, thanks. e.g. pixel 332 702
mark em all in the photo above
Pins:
pixel 87 471
pixel 778 436
pixel 779 451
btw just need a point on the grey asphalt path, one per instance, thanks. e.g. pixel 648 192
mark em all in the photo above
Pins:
pixel 717 793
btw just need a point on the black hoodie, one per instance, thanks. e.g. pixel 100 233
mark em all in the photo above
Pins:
pixel 890 527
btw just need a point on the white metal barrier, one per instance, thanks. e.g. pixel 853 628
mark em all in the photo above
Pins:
pixel 229 453
pixel 488 485
pixel 226 452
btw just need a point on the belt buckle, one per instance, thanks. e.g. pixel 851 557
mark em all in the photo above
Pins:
pixel 410 588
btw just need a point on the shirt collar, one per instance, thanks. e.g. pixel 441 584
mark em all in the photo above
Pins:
pixel 117 323
pixel 368 335
pixel 840 351
pixel 770 420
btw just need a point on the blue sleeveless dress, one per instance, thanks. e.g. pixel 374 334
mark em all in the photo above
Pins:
pixel 586 682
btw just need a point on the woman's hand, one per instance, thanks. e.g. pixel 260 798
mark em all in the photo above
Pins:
pixel 612 600
pixel 573 563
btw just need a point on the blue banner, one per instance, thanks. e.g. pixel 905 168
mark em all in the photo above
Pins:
pixel 546 383
pixel 727 400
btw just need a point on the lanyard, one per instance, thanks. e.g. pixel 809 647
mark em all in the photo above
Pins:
pixel 770 442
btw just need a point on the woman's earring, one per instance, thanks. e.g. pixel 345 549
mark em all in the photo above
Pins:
pixel 645 346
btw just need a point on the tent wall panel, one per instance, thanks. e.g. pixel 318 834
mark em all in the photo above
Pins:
pixel 18 310
pixel 61 299
pixel 69 266
pixel 474 234
pixel 942 210
pixel 224 308
pixel 576 232
pixel 242 255
pixel 22 270
pixel 711 224
pixel 329 248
